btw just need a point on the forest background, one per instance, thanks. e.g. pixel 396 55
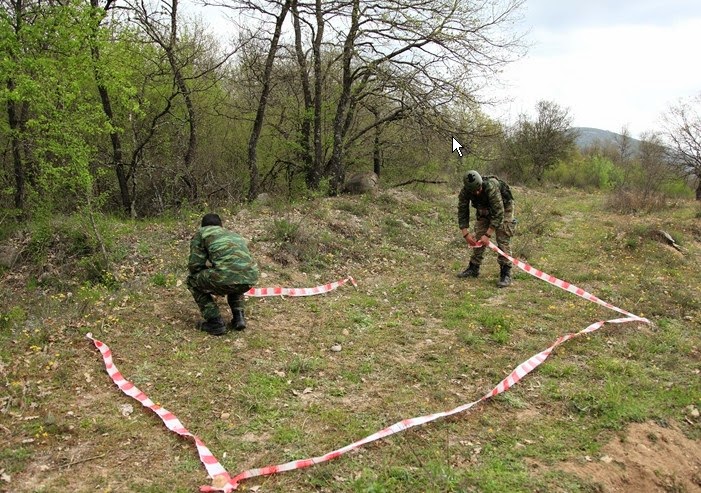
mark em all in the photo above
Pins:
pixel 129 106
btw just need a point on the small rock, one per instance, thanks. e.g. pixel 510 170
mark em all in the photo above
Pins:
pixel 225 415
pixel 694 413
pixel 263 199
pixel 336 348
pixel 8 256
pixel 606 459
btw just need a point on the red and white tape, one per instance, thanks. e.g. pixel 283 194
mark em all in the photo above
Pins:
pixel 563 284
pixel 215 470
pixel 223 481
pixel 324 288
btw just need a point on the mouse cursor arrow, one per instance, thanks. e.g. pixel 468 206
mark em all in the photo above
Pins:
pixel 457 146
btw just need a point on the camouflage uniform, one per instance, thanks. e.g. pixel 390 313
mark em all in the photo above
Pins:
pixel 490 210
pixel 231 272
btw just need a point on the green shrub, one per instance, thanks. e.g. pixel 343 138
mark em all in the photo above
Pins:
pixel 677 189
pixel 164 280
pixel 586 172
pixel 284 231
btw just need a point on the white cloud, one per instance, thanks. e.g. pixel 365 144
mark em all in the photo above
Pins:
pixel 608 76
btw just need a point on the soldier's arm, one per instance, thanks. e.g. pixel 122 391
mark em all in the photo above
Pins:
pixel 198 254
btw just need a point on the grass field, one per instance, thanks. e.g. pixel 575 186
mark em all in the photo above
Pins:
pixel 615 410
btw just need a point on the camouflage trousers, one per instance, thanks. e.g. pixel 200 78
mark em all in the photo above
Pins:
pixel 203 284
pixel 503 236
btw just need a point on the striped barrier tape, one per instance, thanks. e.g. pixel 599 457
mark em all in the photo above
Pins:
pixel 214 468
pixel 562 284
pixel 514 377
pixel 324 288
pixel 222 480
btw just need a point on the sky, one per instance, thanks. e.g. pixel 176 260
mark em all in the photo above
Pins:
pixel 611 63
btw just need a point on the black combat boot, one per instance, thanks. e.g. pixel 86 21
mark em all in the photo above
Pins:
pixel 213 326
pixel 505 276
pixel 473 270
pixel 238 322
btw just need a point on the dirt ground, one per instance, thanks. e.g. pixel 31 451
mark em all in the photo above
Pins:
pixel 646 458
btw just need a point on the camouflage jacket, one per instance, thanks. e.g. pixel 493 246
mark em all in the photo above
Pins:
pixel 226 252
pixel 488 204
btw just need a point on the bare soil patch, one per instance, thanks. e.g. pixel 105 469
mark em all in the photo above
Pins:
pixel 648 458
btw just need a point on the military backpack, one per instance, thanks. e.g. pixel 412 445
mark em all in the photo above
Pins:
pixel 506 195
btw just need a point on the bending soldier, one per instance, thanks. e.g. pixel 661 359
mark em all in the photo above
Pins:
pixel 494 212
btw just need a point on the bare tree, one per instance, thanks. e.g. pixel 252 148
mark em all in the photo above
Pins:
pixel 683 131
pixel 654 164
pixel 624 142
pixel 420 56
pixel 375 63
pixel 161 26
pixel 106 100
pixel 271 12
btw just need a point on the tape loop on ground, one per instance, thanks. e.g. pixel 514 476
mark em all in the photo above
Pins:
pixel 223 481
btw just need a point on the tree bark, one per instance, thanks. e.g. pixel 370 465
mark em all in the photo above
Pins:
pixel 16 145
pixel 15 122
pixel 339 124
pixel 306 127
pixel 318 82
pixel 262 103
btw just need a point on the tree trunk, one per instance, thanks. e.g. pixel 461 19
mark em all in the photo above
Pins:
pixel 698 189
pixel 376 152
pixel 179 80
pixel 336 166
pixel 117 156
pixel 15 122
pixel 260 113
pixel 16 146
pixel 318 81
pixel 305 133
pixel 192 123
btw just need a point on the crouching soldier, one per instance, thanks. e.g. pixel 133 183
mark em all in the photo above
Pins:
pixel 220 264
pixel 494 211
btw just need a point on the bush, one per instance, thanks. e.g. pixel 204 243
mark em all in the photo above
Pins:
pixel 284 231
pixel 677 189
pixel 633 201
pixel 65 248
pixel 586 172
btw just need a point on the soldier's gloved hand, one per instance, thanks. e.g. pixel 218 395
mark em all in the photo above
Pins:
pixel 470 239
pixel 484 240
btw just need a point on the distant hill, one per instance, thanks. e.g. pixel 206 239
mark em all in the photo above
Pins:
pixel 587 137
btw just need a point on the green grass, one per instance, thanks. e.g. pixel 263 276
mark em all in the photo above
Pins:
pixel 413 338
